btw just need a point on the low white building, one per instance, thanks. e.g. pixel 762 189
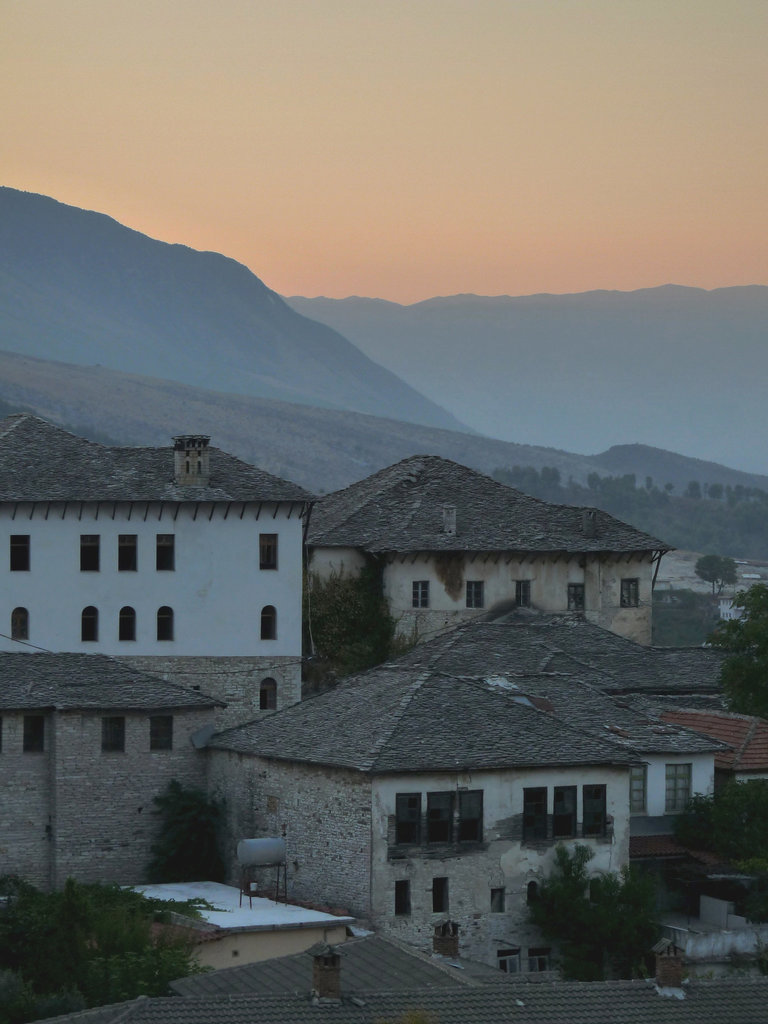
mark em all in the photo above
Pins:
pixel 452 543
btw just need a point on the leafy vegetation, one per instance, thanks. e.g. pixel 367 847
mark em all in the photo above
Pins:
pixel 84 946
pixel 732 822
pixel 744 675
pixel 187 847
pixel 705 517
pixel 604 924
pixel 717 570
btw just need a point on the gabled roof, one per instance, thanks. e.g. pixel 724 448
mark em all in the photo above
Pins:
pixel 69 682
pixel 746 736
pixel 400 509
pixel 42 462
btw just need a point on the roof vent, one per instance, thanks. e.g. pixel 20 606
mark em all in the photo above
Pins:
pixel 589 522
pixel 449 519
pixel 190 460
pixel 326 973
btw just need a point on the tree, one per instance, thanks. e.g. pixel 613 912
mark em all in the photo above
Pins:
pixel 187 847
pixel 605 924
pixel 717 570
pixel 744 675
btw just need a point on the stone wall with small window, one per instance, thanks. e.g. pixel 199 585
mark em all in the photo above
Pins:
pixel 77 789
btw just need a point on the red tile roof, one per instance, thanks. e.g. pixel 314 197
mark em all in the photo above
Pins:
pixel 747 735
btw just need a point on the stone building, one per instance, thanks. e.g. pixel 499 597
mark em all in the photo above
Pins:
pixel 86 742
pixel 183 560
pixel 452 543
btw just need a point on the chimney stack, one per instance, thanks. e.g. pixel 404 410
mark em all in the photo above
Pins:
pixel 445 941
pixel 191 460
pixel 669 965
pixel 589 522
pixel 326 973
pixel 449 519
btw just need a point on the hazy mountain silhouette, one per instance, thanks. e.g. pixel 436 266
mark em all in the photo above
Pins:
pixel 670 367
pixel 76 286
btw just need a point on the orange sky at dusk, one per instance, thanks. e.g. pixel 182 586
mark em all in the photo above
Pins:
pixel 406 148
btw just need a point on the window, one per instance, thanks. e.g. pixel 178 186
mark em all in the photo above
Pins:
pixel 268 694
pixel 678 787
pixel 89 623
pixel 564 812
pixel 420 596
pixel 638 788
pixel 439 895
pixel 471 816
pixel 439 817
pixel 538 958
pixel 509 959
pixel 531 892
pixel 523 593
pixel 575 597
pixel 408 818
pixel 498 901
pixel 165 552
pixel 594 810
pixel 267 550
pixel 113 734
pixel 535 813
pixel 34 734
pixel 630 593
pixel 475 594
pixel 127 624
pixel 161 732
pixel 268 623
pixel 127 552
pixel 402 897
pixel 89 552
pixel 19 552
pixel 165 623
pixel 19 624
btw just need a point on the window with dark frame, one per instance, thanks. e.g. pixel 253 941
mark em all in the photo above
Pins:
pixel 268 694
pixel 678 787
pixel 165 623
pixel 564 812
pixel 89 624
pixel 20 545
pixel 594 819
pixel 408 818
pixel 113 734
pixel 638 789
pixel 439 817
pixel 523 593
pixel 19 624
pixel 269 623
pixel 402 897
pixel 498 901
pixel 508 959
pixel 267 550
pixel 531 892
pixel 90 544
pixel 33 741
pixel 420 594
pixel 575 597
pixel 630 593
pixel 165 552
pixel 127 624
pixel 161 732
pixel 440 895
pixel 475 594
pixel 538 958
pixel 535 813
pixel 127 552
pixel 470 815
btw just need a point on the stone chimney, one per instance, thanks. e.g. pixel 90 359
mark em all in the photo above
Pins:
pixel 445 941
pixel 589 522
pixel 669 966
pixel 326 973
pixel 190 460
pixel 449 519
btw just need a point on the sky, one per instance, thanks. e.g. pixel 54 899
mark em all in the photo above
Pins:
pixel 404 149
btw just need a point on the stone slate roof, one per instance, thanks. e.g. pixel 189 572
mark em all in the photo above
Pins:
pixel 42 462
pixel 746 736
pixel 74 682
pixel 400 509
pixel 728 1000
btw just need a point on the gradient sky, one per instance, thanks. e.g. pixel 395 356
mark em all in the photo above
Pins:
pixel 406 148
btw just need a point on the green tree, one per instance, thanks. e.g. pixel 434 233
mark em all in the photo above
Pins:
pixel 744 675
pixel 733 822
pixel 604 924
pixel 717 570
pixel 187 845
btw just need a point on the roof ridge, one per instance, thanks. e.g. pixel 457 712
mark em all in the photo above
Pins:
pixel 404 702
pixel 739 754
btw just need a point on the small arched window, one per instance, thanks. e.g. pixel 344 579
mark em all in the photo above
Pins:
pixel 127 624
pixel 89 623
pixel 268 695
pixel 165 623
pixel 20 624
pixel 532 892
pixel 268 622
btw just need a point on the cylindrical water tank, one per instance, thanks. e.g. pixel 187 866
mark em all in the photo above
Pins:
pixel 261 851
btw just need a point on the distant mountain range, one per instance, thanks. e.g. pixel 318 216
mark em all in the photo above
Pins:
pixel 674 368
pixel 78 287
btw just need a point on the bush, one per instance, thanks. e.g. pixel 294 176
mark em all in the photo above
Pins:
pixel 187 847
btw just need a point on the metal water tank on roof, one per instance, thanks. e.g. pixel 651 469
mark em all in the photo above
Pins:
pixel 252 852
